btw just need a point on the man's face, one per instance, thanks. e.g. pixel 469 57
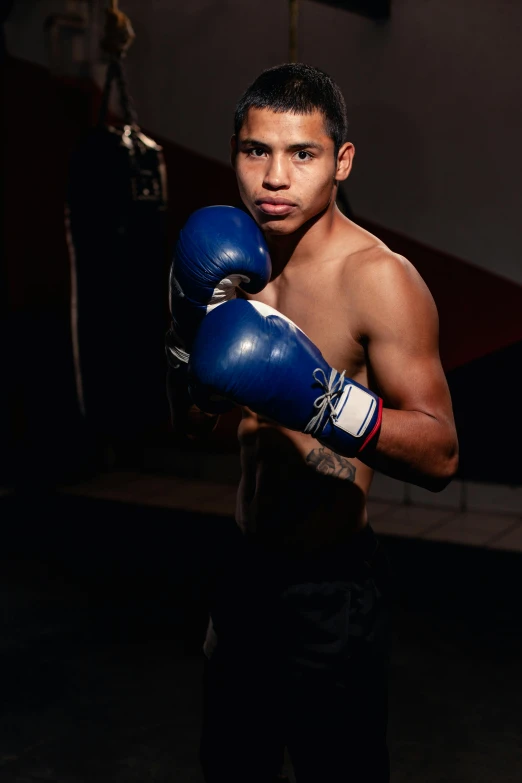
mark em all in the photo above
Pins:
pixel 285 168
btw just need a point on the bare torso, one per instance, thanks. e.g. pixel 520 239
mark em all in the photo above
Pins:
pixel 296 495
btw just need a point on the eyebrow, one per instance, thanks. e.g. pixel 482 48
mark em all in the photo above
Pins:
pixel 302 145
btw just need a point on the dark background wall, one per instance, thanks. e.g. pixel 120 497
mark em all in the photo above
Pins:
pixel 433 98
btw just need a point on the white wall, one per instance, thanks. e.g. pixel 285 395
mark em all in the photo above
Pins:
pixel 434 100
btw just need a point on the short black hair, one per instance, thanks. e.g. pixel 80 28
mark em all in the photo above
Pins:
pixel 300 89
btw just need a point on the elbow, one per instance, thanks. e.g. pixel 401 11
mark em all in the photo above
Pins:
pixel 446 470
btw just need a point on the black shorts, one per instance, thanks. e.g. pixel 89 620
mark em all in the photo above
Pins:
pixel 301 662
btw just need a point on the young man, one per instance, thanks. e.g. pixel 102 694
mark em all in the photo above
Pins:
pixel 299 651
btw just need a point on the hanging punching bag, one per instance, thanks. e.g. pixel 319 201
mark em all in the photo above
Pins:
pixel 117 239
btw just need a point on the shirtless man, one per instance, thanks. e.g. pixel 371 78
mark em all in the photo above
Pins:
pixel 301 609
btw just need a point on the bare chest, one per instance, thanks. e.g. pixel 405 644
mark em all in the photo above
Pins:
pixel 322 308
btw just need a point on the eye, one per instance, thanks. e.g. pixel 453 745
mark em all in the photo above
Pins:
pixel 256 152
pixel 304 155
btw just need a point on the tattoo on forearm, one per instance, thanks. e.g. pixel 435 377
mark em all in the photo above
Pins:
pixel 331 464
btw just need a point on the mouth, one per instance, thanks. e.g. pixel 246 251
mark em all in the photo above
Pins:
pixel 275 206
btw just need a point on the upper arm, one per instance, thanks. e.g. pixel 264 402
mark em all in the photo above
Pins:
pixel 400 325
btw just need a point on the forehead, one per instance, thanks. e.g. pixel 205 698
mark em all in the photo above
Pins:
pixel 271 127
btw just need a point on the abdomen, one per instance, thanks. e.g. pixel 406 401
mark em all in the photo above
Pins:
pixel 294 493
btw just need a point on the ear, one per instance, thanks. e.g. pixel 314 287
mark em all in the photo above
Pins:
pixel 345 158
pixel 233 150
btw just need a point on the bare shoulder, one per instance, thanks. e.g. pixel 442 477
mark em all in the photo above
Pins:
pixel 372 264
pixel 385 286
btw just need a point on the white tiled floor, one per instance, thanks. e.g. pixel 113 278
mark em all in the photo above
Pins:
pixel 473 528
pixel 387 512
pixel 511 539
pixel 410 521
pixel 488 497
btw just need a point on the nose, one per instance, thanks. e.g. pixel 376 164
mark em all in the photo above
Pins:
pixel 276 174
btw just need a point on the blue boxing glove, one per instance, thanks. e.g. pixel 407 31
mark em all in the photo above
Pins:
pixel 219 249
pixel 251 354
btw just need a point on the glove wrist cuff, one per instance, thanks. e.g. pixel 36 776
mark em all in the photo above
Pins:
pixel 176 355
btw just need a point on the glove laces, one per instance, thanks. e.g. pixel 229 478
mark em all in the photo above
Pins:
pixel 333 387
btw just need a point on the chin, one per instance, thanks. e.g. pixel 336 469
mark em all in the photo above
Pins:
pixel 285 224
pixel 278 227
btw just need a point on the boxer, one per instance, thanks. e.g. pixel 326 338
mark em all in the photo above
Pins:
pixel 328 341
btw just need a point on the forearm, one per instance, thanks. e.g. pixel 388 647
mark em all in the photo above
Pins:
pixel 198 424
pixel 414 447
pixel 187 420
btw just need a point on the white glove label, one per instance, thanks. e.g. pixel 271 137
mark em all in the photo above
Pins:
pixel 354 411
